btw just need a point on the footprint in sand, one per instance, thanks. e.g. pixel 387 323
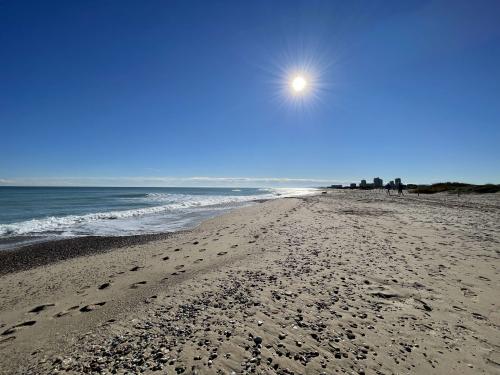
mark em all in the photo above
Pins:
pixel 64 313
pixel 25 324
pixel 92 307
pixel 13 329
pixel 195 243
pixel 9 331
pixel 202 250
pixel 136 285
pixel 179 266
pixel 61 314
pixel 7 339
pixel 165 258
pixel 234 246
pixel 104 286
pixel 177 249
pixel 222 253
pixel 198 260
pixel 40 308
pixel 136 268
pixel 479 316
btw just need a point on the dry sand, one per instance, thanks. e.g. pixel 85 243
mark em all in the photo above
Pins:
pixel 348 282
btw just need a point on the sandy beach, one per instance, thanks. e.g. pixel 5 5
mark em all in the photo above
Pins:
pixel 349 282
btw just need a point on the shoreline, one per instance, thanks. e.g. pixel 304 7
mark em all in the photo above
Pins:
pixel 25 257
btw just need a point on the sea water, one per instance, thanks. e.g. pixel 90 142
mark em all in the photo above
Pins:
pixel 29 214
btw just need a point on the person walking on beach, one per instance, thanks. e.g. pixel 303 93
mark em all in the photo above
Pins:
pixel 388 189
pixel 400 189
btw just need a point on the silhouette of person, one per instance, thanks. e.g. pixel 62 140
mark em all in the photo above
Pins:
pixel 388 189
pixel 400 189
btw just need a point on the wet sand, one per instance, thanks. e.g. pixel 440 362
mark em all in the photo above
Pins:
pixel 348 282
pixel 40 254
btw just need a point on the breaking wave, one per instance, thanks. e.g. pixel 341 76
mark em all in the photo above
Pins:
pixel 159 203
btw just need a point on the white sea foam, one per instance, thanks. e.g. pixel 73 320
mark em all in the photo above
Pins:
pixel 173 206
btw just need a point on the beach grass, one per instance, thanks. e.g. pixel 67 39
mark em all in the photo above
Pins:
pixel 456 187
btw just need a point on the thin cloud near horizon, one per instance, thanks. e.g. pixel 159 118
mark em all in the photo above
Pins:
pixel 201 181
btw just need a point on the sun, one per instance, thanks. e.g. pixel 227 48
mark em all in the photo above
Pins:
pixel 299 84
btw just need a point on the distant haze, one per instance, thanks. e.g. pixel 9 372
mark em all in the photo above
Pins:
pixel 172 181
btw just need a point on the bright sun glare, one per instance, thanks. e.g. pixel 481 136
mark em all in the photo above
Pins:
pixel 299 84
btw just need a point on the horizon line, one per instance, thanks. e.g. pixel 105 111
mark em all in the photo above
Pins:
pixel 193 181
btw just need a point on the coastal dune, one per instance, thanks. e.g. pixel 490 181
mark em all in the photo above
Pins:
pixel 343 282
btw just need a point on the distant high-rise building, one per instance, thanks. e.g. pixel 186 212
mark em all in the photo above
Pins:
pixel 392 184
pixel 362 184
pixel 378 182
pixel 353 185
pixel 397 181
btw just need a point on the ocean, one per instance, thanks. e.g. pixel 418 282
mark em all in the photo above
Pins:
pixel 35 214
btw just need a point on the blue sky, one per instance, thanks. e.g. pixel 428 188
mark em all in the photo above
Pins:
pixel 192 92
